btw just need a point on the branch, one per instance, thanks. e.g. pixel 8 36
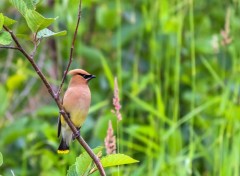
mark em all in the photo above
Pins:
pixel 36 42
pixel 72 47
pixel 56 96
pixel 9 47
pixel 84 144
pixel 30 59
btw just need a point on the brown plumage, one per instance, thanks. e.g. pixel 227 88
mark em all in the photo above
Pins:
pixel 76 102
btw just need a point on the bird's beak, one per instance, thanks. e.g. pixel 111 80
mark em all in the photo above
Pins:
pixel 91 77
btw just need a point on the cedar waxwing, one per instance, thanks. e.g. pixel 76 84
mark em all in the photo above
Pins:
pixel 76 102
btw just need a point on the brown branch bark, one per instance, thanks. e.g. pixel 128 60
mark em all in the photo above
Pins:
pixel 9 47
pixel 56 96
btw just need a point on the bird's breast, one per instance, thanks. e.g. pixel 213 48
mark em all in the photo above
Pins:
pixel 76 102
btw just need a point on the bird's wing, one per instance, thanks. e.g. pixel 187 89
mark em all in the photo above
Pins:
pixel 59 125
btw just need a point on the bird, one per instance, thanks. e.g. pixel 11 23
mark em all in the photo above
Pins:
pixel 76 102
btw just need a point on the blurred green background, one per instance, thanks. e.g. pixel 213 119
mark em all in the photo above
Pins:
pixel 177 64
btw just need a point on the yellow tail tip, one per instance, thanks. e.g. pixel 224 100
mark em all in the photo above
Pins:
pixel 63 151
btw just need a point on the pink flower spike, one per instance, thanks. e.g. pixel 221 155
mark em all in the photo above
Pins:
pixel 116 101
pixel 225 33
pixel 110 141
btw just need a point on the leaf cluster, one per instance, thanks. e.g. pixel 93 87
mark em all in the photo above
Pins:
pixel 35 21
pixel 84 166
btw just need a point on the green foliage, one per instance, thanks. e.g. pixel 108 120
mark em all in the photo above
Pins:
pixel 105 17
pixel 30 4
pixel 8 21
pixel 15 81
pixel 1 21
pixel 84 161
pixel 72 171
pixel 5 38
pixel 178 84
pixel 20 5
pixel 84 164
pixel 47 111
pixel 116 160
pixel 4 100
pixel 36 21
pixel 48 33
pixel 1 159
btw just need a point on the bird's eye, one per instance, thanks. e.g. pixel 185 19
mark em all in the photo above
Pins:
pixel 82 75
pixel 85 76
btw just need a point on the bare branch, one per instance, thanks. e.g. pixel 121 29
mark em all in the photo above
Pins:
pixel 9 47
pixel 72 48
pixel 84 144
pixel 36 43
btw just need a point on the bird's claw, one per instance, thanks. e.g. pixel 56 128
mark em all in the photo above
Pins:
pixel 74 136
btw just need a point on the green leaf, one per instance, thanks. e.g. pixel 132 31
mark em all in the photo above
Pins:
pixel 30 4
pixel 48 33
pixel 35 2
pixel 20 5
pixel 36 21
pixel 1 21
pixel 4 100
pixel 84 161
pixel 8 21
pixel 5 38
pixel 1 159
pixel 117 159
pixel 72 171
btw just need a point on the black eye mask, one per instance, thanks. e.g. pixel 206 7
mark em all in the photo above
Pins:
pixel 87 77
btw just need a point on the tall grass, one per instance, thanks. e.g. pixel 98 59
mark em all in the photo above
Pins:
pixel 180 98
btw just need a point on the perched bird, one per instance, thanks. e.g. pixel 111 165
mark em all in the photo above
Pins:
pixel 76 102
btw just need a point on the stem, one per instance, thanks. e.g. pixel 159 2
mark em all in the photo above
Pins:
pixel 118 143
pixel 72 48
pixel 9 47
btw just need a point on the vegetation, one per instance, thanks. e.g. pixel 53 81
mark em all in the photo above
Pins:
pixel 177 65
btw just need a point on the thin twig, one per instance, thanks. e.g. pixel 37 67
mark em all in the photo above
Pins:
pixel 36 43
pixel 71 51
pixel 9 47
pixel 58 102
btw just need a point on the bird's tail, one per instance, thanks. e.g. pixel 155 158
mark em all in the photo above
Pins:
pixel 63 147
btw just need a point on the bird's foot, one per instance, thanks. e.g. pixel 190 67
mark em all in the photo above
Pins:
pixel 74 136
pixel 62 112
